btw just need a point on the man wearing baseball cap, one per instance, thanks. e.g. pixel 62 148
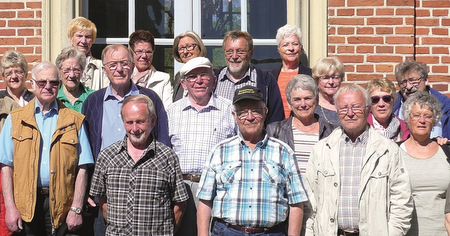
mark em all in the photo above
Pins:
pixel 196 123
pixel 251 182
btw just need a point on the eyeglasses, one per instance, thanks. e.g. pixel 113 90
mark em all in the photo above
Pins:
pixel 43 83
pixel 139 53
pixel 112 65
pixel 257 113
pixel 355 108
pixel 188 47
pixel 328 77
pixel 239 52
pixel 193 77
pixel 412 81
pixel 376 99
pixel 293 44
pixel 76 71
pixel 416 117
pixel 17 72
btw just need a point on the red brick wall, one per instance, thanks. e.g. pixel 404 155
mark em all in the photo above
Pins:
pixel 20 29
pixel 371 37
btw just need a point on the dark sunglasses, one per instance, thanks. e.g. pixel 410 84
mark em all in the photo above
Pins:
pixel 43 83
pixel 386 99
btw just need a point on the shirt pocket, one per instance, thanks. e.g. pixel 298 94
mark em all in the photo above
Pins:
pixel 231 172
pixel 273 173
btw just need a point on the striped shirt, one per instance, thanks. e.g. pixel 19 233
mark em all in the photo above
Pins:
pixel 351 156
pixel 194 132
pixel 251 188
pixel 225 86
pixel 303 145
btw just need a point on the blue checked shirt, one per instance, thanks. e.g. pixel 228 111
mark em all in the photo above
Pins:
pixel 252 188
pixel 225 86
pixel 194 132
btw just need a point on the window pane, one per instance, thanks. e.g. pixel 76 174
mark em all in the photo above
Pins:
pixel 265 17
pixel 156 17
pixel 219 17
pixel 110 17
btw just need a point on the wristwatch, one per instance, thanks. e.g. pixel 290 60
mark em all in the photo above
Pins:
pixel 76 210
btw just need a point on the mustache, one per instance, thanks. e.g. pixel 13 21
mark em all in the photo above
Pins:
pixel 410 91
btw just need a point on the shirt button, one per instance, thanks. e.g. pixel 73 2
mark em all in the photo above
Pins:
pixel 20 137
pixel 52 171
pixel 335 184
pixel 72 141
pixel 53 199
pixel 332 220
pixel 326 172
pixel 379 173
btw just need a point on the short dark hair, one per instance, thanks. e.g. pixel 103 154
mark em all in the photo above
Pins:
pixel 141 36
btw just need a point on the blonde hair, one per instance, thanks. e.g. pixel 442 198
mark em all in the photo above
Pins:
pixel 325 65
pixel 383 85
pixel 81 23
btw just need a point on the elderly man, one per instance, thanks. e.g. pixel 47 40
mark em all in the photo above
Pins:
pixel 251 182
pixel 200 118
pixel 412 76
pixel 238 48
pixel 45 153
pixel 138 179
pixel 356 180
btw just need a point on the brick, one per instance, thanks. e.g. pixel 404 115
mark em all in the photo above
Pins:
pixel 439 50
pixel 364 30
pixel 7 14
pixel 24 23
pixel 439 31
pixel 331 12
pixel 26 50
pixel 404 30
pixel 364 68
pixel 336 39
pixel 440 87
pixel 384 58
pixel 331 30
pixel 25 32
pixel 437 3
pixel 33 58
pixel 384 49
pixel 351 58
pixel 11 41
pixel 346 30
pixel 2 23
pixel 345 12
pixel 346 21
pixel 34 41
pixel 39 14
pixel 345 49
pixel 349 68
pixel 399 40
pixel 384 68
pixel 336 3
pixel 25 14
pixel 364 49
pixel 331 49
pixel 38 32
pixel 427 59
pixel 445 59
pixel 363 77
pixel 439 69
pixel 11 5
pixel 427 22
pixel 400 3
pixel 404 11
pixel 34 5
pixel 436 40
pixel 422 13
pixel 38 50
pixel 359 3
pixel 422 50
pixel 364 12
pixel 422 31
pixel 365 40
pixel 445 22
pixel 385 30
pixel 384 21
pixel 4 49
pixel 385 12
pixel 438 78
pixel 7 32
pixel 440 12
pixel 409 21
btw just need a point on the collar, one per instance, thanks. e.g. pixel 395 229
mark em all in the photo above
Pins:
pixel 187 104
pixel 53 108
pixel 262 143
pixel 110 95
pixel 247 74
pixel 361 139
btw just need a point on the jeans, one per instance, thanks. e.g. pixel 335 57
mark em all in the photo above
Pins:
pixel 220 229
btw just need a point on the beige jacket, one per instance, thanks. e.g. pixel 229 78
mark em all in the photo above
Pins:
pixel 6 106
pixel 385 195
pixel 94 77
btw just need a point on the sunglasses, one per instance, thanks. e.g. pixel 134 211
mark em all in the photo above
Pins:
pixel 376 99
pixel 43 83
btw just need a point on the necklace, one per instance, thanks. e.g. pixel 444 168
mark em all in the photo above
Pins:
pixel 325 116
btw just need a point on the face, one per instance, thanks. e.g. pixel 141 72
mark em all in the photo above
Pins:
pixel 420 121
pixel 70 73
pixel 14 78
pixel 290 49
pixel 47 84
pixel 137 123
pixel 199 83
pixel 118 66
pixel 411 83
pixel 186 43
pixel 237 55
pixel 329 83
pixel 303 103
pixel 382 110
pixel 143 55
pixel 354 119
pixel 250 116
pixel 82 40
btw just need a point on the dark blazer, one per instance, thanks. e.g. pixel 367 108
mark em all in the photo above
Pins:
pixel 301 70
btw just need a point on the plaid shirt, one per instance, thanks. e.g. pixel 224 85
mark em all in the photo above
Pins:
pixel 194 132
pixel 139 195
pixel 252 188
pixel 225 86
pixel 351 156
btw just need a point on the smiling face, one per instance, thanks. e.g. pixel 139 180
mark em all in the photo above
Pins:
pixel 420 122
pixel 143 55
pixel 46 93
pixel 82 40
pixel 250 116
pixel 118 66
pixel 329 86
pixel 237 56
pixel 70 73
pixel 410 88
pixel 185 54
pixel 354 120
pixel 290 49
pixel 138 123
pixel 382 110
pixel 14 78
pixel 303 103
pixel 200 89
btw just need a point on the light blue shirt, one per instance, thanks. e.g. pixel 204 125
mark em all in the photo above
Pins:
pixel 46 124
pixel 112 124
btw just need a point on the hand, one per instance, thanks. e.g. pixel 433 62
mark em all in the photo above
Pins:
pixel 441 141
pixel 91 202
pixel 13 219
pixel 73 221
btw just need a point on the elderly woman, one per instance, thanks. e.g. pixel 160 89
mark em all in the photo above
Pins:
pixel 82 33
pixel 383 97
pixel 14 70
pixel 328 74
pixel 289 41
pixel 186 46
pixel 71 63
pixel 142 44
pixel 427 164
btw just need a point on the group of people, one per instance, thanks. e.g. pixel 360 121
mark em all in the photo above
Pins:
pixel 115 147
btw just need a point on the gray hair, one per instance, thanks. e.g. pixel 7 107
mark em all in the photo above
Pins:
pixel 13 58
pixel 423 99
pixel 71 52
pixel 288 30
pixel 45 65
pixel 115 47
pixel 140 98
pixel 352 88
pixel 410 66
pixel 304 82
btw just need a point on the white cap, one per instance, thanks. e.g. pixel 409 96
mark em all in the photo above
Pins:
pixel 194 63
